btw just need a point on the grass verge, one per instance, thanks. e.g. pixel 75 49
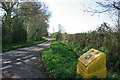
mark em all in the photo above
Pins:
pixel 8 47
pixel 60 60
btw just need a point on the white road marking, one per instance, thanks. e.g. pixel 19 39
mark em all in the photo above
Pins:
pixel 27 56
pixel 7 62
pixel 18 59
pixel 19 63
pixel 26 60
pixel 6 67
pixel 33 57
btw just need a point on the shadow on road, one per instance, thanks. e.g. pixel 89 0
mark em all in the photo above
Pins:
pixel 24 62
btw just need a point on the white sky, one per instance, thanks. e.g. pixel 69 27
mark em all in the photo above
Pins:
pixel 68 13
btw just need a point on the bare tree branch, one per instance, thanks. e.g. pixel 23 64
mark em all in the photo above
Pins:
pixel 103 6
pixel 106 6
pixel 3 6
pixel 117 7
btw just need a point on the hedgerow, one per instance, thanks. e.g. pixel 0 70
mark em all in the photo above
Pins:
pixel 60 60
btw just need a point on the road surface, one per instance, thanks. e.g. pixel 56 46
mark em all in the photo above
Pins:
pixel 24 62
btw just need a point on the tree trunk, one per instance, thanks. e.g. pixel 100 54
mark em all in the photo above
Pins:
pixel 8 19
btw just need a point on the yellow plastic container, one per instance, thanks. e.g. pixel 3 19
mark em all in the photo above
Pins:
pixel 92 63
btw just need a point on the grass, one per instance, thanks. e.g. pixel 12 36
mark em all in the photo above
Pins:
pixel 8 47
pixel 114 75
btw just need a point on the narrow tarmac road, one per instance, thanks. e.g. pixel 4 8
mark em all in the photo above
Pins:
pixel 24 62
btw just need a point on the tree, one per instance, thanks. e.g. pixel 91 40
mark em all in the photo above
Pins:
pixel 28 20
pixel 6 32
pixel 61 28
pixel 105 27
pixel 19 31
pixel 36 16
pixel 102 6
pixel 8 7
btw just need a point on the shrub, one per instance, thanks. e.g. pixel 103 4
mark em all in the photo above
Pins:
pixel 60 60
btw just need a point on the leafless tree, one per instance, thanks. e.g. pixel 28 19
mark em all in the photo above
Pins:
pixel 61 28
pixel 102 6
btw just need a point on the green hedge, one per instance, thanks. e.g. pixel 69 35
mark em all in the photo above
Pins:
pixel 60 60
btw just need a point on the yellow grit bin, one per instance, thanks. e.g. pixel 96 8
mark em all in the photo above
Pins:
pixel 92 63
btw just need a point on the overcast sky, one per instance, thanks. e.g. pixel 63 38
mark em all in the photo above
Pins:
pixel 68 13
